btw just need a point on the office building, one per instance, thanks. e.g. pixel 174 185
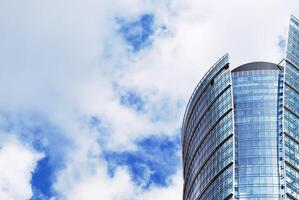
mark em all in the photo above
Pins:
pixel 240 133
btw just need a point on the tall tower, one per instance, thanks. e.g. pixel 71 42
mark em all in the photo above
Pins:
pixel 240 133
pixel 290 136
pixel 257 93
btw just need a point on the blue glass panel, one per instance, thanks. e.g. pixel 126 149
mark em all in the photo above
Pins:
pixel 293 44
pixel 291 110
pixel 256 124
pixel 208 136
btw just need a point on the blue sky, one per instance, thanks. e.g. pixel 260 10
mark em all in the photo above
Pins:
pixel 93 92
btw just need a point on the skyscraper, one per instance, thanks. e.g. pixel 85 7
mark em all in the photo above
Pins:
pixel 240 132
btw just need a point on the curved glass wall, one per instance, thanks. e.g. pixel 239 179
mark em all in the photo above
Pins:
pixel 257 119
pixel 208 137
pixel 241 130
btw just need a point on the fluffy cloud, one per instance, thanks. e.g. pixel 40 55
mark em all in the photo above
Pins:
pixel 173 191
pixel 98 184
pixel 17 163
pixel 86 174
pixel 120 187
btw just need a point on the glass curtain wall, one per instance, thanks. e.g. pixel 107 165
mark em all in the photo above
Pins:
pixel 291 112
pixel 208 137
pixel 256 103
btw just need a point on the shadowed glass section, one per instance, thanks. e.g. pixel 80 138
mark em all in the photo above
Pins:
pixel 256 101
pixel 198 93
pixel 208 137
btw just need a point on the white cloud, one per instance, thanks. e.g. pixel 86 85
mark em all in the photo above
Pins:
pixel 203 32
pixel 100 186
pixel 85 177
pixel 17 163
pixel 121 187
pixel 69 53
pixel 173 191
pixel 89 181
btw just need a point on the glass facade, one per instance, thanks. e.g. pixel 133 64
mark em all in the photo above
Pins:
pixel 291 113
pixel 257 108
pixel 208 136
pixel 240 133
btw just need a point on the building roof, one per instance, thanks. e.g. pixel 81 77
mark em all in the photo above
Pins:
pixel 258 66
